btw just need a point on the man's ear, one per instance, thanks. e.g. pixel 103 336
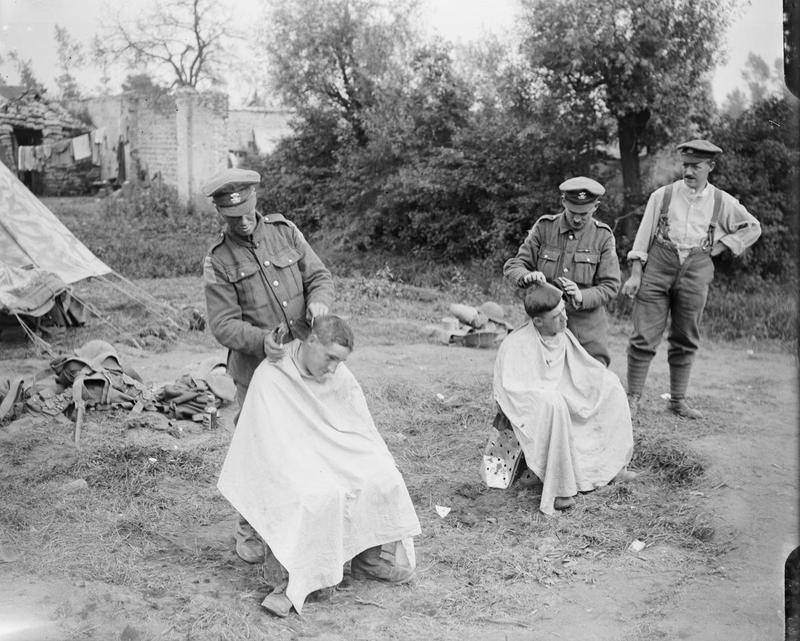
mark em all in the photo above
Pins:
pixel 711 165
pixel 537 321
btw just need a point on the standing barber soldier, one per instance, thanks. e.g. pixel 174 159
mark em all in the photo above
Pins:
pixel 575 252
pixel 259 275
pixel 684 225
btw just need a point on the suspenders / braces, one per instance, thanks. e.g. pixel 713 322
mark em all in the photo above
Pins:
pixel 661 228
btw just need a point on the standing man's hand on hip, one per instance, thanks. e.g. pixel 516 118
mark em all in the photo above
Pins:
pixel 717 248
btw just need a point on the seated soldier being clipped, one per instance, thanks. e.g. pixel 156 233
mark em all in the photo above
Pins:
pixel 568 414
pixel 309 471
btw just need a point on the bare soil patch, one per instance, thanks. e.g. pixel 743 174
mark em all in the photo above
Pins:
pixel 144 549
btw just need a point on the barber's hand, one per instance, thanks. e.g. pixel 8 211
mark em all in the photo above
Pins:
pixel 314 310
pixel 571 289
pixel 273 348
pixel 533 277
pixel 717 248
pixel 631 286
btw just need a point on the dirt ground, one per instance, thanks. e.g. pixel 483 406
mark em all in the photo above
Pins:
pixel 181 580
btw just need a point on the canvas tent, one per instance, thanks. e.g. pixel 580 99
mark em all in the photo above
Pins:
pixel 40 258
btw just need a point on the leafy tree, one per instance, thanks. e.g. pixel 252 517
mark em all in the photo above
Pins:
pixel 791 46
pixel 642 63
pixel 760 168
pixel 332 55
pixel 103 63
pixel 70 57
pixel 25 71
pixel 735 103
pixel 186 39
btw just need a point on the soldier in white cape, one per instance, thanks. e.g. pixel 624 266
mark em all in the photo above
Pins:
pixel 309 471
pixel 569 413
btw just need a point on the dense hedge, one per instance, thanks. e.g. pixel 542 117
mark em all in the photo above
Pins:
pixel 475 198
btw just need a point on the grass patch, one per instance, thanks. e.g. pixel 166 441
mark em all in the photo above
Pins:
pixel 668 457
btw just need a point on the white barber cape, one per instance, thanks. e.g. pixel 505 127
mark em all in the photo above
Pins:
pixel 310 472
pixel 569 413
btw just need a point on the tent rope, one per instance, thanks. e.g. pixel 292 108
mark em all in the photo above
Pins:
pixel 35 339
pixel 99 315
pixel 143 298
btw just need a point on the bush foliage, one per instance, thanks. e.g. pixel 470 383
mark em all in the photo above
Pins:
pixel 144 231
pixel 472 192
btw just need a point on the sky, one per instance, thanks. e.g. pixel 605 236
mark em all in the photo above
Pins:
pixel 28 25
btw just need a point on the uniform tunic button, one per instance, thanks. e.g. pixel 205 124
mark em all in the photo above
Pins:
pixel 242 274
pixel 285 303
pixel 275 282
pixel 291 322
pixel 266 262
pixel 566 270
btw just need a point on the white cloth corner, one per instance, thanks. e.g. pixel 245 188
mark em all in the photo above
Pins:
pixel 81 147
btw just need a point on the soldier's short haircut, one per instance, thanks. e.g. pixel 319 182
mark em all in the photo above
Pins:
pixel 541 298
pixel 333 329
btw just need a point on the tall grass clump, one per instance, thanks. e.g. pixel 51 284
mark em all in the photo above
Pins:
pixel 752 307
pixel 142 230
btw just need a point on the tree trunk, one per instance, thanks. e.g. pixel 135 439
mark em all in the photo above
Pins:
pixel 629 129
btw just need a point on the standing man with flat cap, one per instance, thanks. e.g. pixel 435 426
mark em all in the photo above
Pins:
pixel 575 252
pixel 684 225
pixel 264 287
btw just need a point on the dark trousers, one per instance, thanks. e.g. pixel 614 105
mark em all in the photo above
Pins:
pixel 674 291
pixel 590 327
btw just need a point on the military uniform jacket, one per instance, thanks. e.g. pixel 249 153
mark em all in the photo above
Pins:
pixel 587 257
pixel 252 286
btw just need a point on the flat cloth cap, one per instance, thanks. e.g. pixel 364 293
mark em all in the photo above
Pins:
pixel 581 193
pixel 233 190
pixel 697 150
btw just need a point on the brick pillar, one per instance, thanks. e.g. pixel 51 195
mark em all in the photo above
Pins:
pixel 185 103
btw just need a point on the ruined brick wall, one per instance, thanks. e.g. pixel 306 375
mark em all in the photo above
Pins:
pixel 179 137
pixel 201 128
pixel 153 139
pixel 256 130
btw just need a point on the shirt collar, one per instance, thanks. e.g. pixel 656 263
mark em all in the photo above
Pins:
pixel 696 194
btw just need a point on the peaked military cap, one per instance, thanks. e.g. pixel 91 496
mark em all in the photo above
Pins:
pixel 580 193
pixel 233 190
pixel 697 150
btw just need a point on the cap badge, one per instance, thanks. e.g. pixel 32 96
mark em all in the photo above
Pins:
pixel 235 198
pixel 582 195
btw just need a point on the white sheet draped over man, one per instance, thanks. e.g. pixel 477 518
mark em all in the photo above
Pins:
pixel 310 472
pixel 568 412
